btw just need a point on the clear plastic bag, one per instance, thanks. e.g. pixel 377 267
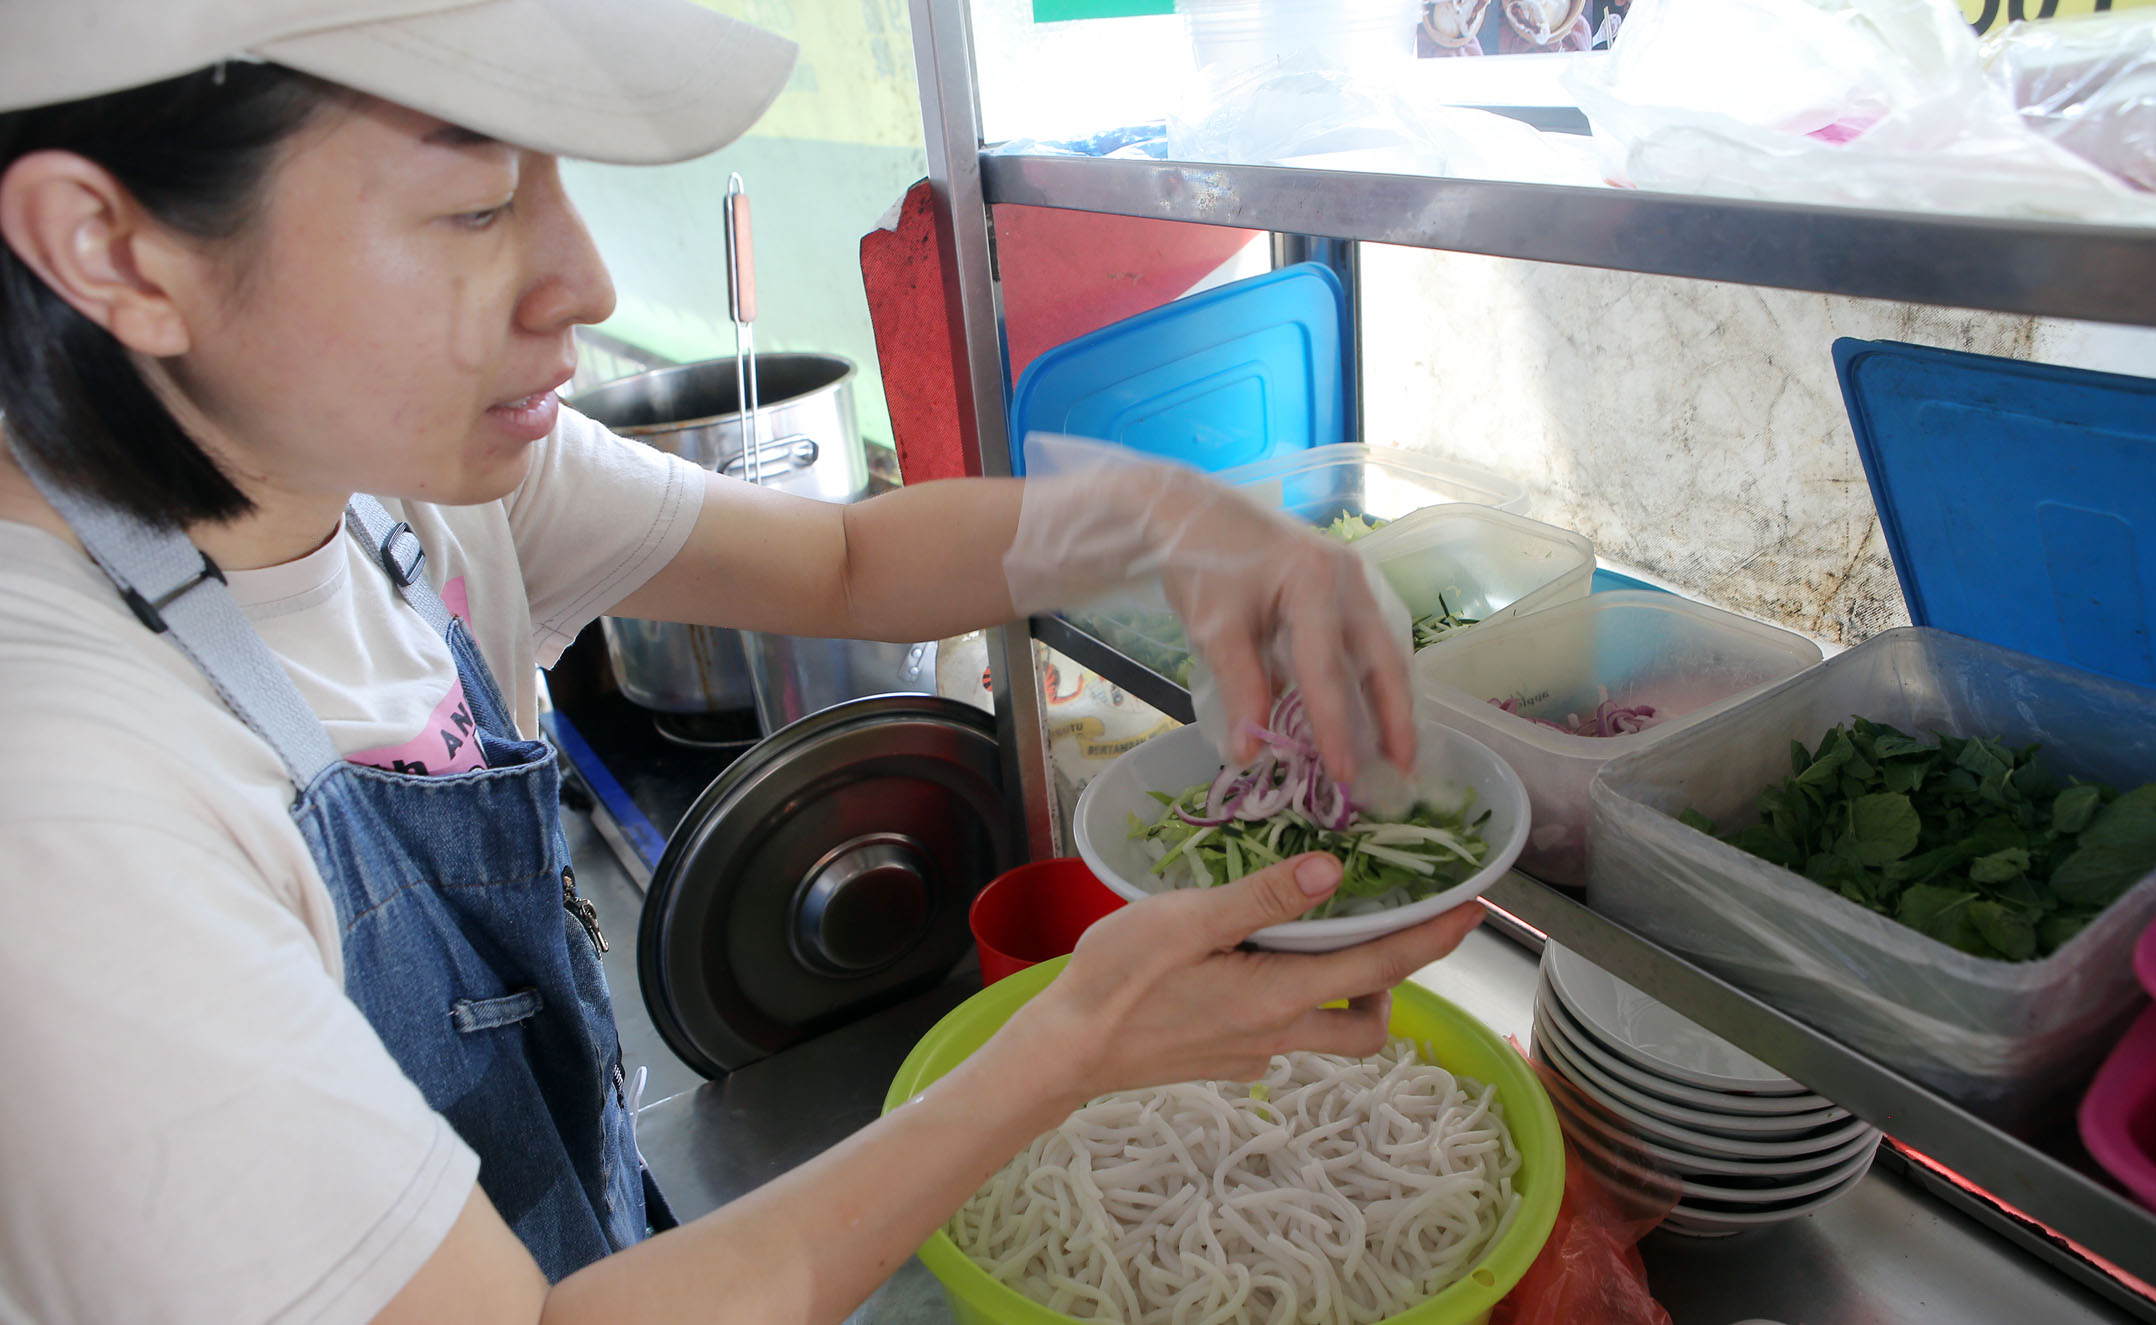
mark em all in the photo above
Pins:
pixel 2087 84
pixel 2006 1039
pixel 1876 103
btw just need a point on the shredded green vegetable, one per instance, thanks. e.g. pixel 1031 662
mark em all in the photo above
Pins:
pixel 1347 528
pixel 1386 863
pixel 1444 621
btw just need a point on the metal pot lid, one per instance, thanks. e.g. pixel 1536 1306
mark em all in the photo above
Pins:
pixel 825 874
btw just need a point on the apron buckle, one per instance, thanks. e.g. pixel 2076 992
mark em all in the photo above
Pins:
pixel 402 569
pixel 150 611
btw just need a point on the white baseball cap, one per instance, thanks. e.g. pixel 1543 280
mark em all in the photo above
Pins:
pixel 630 81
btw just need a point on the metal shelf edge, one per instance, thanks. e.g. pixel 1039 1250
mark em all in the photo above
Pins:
pixel 2044 268
pixel 2070 1203
pixel 1116 667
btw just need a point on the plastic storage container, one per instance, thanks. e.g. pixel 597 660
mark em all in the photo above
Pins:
pixel 1633 646
pixel 1317 485
pixel 1486 565
pixel 2118 1115
pixel 2005 1039
pixel 1351 479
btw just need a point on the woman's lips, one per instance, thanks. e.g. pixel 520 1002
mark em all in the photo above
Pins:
pixel 528 419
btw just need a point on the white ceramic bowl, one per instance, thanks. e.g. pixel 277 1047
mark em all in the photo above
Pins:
pixel 1708 1167
pixel 1677 1137
pixel 1693 1221
pixel 1447 764
pixel 1611 1059
pixel 1654 1035
pixel 1620 1163
pixel 1692 1123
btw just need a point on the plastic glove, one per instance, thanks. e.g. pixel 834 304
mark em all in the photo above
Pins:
pixel 1267 601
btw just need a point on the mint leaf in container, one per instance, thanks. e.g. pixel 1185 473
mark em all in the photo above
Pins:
pixel 1967 840
pixel 2118 847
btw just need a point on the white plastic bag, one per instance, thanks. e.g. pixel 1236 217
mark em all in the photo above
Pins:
pixel 2087 84
pixel 1875 103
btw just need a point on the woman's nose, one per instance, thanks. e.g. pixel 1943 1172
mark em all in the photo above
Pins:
pixel 570 284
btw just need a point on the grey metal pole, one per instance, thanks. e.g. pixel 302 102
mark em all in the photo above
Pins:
pixel 951 120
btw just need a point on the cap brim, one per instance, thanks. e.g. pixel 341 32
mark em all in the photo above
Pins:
pixel 638 82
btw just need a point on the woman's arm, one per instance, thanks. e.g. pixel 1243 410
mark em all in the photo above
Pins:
pixel 1157 992
pixel 923 562
pixel 1267 600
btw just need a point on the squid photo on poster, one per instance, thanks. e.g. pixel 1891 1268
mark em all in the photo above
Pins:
pixel 1453 28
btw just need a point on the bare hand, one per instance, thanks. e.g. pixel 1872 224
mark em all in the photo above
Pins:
pixel 1159 991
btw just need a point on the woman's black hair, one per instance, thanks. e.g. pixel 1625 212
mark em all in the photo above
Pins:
pixel 195 152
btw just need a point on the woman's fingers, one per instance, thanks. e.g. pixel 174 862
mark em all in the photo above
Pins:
pixel 1272 896
pixel 1385 678
pixel 1245 689
pixel 1382 963
pixel 1355 1031
pixel 1321 670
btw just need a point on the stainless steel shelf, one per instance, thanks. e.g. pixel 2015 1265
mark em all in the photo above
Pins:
pixel 2026 1189
pixel 2104 273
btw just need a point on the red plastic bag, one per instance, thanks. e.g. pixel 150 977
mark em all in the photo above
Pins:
pixel 1590 1271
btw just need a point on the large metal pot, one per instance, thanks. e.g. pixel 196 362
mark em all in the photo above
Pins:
pixel 811 446
pixel 812 442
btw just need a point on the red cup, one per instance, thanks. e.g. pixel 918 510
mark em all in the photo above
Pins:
pixel 1036 912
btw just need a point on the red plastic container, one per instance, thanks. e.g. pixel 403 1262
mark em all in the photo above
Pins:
pixel 1036 912
pixel 2118 1115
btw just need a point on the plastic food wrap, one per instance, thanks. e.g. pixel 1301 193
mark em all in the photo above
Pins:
pixel 1872 103
pixel 1107 530
pixel 2088 85
pixel 2008 1040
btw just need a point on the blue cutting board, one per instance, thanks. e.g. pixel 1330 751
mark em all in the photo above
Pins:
pixel 1240 373
pixel 2018 499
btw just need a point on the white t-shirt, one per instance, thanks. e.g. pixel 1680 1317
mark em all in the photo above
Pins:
pixel 195 1123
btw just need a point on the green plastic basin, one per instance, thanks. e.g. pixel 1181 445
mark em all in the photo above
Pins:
pixel 1460 1042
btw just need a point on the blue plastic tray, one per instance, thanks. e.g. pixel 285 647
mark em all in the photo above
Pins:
pixel 1237 374
pixel 2018 499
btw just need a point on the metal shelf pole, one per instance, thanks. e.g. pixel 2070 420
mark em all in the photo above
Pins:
pixel 951 122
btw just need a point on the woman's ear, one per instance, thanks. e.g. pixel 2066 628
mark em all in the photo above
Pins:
pixel 72 224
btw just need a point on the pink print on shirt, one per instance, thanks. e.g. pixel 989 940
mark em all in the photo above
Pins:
pixel 449 743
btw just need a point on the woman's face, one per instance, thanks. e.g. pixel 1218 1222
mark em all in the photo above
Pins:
pixel 399 319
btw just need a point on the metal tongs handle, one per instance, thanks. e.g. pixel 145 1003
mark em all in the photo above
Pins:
pixel 741 305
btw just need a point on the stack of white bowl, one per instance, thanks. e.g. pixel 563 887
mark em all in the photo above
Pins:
pixel 1658 1101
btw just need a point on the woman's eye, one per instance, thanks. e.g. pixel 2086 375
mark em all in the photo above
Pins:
pixel 481 220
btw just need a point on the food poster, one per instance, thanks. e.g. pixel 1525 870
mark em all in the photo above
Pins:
pixel 1453 28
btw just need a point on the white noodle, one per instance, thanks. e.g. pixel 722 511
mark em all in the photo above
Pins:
pixel 1345 1191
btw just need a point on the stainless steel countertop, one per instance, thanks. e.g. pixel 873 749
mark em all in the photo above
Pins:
pixel 1888 1252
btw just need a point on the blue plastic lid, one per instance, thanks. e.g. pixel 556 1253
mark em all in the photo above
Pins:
pixel 1237 374
pixel 2018 499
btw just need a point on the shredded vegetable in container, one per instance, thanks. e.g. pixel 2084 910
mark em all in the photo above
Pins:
pixel 1283 804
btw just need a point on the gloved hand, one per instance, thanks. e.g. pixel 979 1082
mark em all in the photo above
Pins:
pixel 1267 600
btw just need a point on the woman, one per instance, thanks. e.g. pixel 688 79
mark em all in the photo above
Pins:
pixel 302 1013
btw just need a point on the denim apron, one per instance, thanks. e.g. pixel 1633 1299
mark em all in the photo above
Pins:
pixel 465 942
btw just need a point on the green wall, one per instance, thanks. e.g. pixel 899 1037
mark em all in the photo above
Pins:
pixel 834 153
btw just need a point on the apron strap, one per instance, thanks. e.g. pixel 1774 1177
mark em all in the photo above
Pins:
pixel 175 589
pixel 398 553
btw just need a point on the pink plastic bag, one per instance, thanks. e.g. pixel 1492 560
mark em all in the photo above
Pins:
pixel 1590 1271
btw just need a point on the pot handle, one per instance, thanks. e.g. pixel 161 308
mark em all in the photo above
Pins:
pixel 782 456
